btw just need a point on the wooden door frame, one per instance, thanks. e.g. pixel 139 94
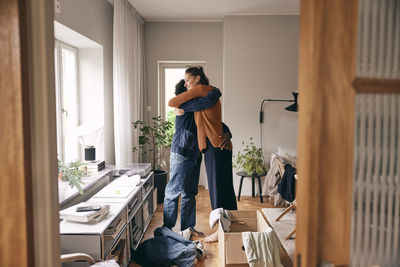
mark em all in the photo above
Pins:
pixel 16 229
pixel 328 43
pixel 29 229
pixel 43 133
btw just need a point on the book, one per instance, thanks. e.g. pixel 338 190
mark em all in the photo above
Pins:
pixel 96 164
pixel 70 214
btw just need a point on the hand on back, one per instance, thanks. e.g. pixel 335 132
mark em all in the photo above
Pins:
pixel 178 111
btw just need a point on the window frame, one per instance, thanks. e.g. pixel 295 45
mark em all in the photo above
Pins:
pixel 60 111
pixel 162 65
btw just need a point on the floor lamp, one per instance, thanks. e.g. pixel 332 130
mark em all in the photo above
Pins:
pixel 293 107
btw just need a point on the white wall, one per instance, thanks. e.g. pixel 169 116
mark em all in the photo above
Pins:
pixel 182 41
pixel 253 57
pixel 260 61
pixel 94 19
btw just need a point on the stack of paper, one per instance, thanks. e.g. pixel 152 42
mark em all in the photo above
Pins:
pixel 114 191
pixel 94 216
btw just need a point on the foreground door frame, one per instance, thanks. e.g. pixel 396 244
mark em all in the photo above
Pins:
pixel 16 235
pixel 328 37
pixel 29 230
pixel 43 133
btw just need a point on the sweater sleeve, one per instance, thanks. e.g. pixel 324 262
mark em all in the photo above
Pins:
pixel 201 103
pixel 197 91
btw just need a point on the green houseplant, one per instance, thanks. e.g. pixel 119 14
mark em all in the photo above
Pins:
pixel 69 172
pixel 250 159
pixel 155 137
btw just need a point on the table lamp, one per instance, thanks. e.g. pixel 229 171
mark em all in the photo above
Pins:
pixel 88 136
pixel 90 153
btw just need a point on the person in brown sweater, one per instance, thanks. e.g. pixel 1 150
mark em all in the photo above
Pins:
pixel 210 133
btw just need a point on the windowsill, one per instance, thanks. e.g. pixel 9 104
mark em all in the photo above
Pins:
pixel 66 193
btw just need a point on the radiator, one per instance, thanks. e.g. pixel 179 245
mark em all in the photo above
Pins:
pixel 378 50
pixel 376 170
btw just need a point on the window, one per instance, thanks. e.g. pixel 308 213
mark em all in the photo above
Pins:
pixel 66 70
pixel 170 74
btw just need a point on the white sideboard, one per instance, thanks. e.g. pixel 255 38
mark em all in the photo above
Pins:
pixel 131 210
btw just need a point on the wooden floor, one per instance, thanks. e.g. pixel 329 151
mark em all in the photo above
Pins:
pixel 203 211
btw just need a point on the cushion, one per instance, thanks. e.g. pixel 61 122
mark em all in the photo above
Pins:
pixel 289 154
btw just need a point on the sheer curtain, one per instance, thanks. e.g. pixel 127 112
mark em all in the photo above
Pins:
pixel 129 76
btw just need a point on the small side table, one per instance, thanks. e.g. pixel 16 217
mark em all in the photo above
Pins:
pixel 253 176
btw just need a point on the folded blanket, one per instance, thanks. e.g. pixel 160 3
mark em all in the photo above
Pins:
pixel 222 216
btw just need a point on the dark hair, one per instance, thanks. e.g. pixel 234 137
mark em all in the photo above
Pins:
pixel 180 87
pixel 198 71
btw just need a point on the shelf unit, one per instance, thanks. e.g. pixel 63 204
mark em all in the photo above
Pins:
pixel 116 236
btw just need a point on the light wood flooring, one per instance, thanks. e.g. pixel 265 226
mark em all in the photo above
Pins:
pixel 203 209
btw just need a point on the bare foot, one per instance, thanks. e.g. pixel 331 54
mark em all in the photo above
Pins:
pixel 211 238
pixel 197 233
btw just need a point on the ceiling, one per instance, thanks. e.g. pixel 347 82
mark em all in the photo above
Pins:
pixel 211 10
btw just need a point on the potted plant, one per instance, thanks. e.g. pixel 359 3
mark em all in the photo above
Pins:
pixel 251 159
pixel 154 140
pixel 69 172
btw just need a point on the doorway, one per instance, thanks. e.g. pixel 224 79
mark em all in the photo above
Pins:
pixel 169 74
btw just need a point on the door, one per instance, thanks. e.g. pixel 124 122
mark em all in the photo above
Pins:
pixel 332 199
pixel 170 73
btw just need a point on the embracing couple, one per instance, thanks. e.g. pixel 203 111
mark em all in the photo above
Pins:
pixel 198 129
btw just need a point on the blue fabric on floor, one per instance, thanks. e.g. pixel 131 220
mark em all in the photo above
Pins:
pixel 166 248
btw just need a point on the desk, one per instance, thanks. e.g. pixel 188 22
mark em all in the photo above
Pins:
pixel 253 177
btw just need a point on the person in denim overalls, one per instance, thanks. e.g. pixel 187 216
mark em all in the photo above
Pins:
pixel 185 160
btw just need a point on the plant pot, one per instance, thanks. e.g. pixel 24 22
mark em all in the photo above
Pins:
pixel 160 181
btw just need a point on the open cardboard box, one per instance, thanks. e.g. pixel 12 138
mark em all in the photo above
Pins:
pixel 231 250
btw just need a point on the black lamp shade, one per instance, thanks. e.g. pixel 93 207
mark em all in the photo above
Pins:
pixel 90 153
pixel 293 107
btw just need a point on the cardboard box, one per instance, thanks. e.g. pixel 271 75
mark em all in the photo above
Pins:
pixel 231 249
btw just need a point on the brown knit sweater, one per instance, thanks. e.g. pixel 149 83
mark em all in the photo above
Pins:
pixel 208 121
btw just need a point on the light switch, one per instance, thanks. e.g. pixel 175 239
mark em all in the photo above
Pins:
pixel 57 6
pixel 148 108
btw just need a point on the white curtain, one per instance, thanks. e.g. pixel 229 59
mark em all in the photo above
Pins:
pixel 128 64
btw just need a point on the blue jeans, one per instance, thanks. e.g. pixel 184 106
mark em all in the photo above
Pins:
pixel 184 180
